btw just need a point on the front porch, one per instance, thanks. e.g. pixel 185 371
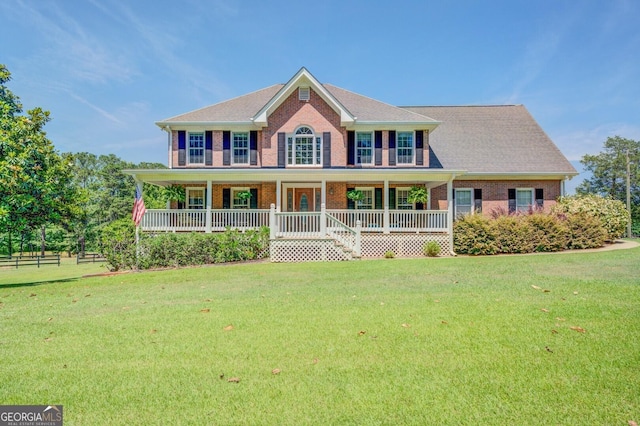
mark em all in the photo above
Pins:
pixel 319 236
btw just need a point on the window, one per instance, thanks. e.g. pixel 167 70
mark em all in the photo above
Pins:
pixel 367 201
pixel 402 199
pixel 464 202
pixel 524 200
pixel 241 148
pixel 196 148
pixel 239 200
pixel 364 148
pixel 304 148
pixel 195 198
pixel 404 142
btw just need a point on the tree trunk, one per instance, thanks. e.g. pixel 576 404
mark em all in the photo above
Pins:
pixel 43 238
pixel 10 246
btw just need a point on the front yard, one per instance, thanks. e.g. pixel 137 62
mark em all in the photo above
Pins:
pixel 536 340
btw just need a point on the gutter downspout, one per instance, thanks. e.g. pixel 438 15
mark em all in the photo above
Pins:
pixel 169 144
pixel 450 214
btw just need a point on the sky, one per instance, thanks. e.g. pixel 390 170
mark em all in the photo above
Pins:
pixel 107 70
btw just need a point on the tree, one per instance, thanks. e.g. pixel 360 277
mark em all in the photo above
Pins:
pixel 35 181
pixel 609 173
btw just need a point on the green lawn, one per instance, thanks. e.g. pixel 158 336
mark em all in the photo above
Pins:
pixel 531 340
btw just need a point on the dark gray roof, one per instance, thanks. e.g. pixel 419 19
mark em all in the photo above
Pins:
pixel 492 139
pixel 367 109
pixel 240 109
pixel 243 108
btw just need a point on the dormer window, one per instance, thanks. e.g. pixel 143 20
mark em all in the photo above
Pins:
pixel 304 93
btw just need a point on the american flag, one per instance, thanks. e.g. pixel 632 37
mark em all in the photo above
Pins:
pixel 138 207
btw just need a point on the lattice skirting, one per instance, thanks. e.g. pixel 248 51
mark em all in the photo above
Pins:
pixel 402 245
pixel 306 250
pixel 373 245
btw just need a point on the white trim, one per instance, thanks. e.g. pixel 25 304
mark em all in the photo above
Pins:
pixel 413 149
pixel 233 157
pixel 455 200
pixel 532 201
pixel 403 188
pixel 371 148
pixel 188 147
pixel 195 188
pixel 371 189
pixel 317 153
pixel 302 78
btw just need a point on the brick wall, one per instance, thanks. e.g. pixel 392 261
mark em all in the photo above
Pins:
pixel 495 192
pixel 293 113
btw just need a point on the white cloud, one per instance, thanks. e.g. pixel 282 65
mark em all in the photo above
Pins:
pixel 576 143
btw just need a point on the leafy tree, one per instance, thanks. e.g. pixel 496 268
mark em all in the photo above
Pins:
pixel 35 181
pixel 609 172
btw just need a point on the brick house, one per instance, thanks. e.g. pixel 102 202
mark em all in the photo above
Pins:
pixel 288 155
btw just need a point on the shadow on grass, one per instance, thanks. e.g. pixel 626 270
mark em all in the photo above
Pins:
pixel 37 283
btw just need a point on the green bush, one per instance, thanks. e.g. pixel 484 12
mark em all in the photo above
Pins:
pixel 612 213
pixel 473 234
pixel 431 249
pixel 389 254
pixel 118 244
pixel 585 231
pixel 178 249
pixel 513 234
pixel 548 232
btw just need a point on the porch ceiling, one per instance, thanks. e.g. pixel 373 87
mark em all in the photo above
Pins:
pixel 165 177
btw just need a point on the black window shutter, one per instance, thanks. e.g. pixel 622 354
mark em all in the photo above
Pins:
pixel 477 200
pixel 512 200
pixel 350 203
pixel 282 150
pixel 326 150
pixel 226 148
pixel 419 148
pixel 208 148
pixel 182 151
pixel 253 201
pixel 539 198
pixel 378 147
pixel 253 147
pixel 392 198
pixel 226 198
pixel 392 147
pixel 351 147
pixel 378 198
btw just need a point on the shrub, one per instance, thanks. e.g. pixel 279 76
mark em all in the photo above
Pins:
pixel 175 249
pixel 612 213
pixel 513 234
pixel 548 232
pixel 389 254
pixel 118 244
pixel 473 234
pixel 585 231
pixel 431 249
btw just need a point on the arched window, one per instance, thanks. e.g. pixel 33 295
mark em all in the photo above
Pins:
pixel 304 148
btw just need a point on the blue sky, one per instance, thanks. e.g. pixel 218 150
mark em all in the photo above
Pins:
pixel 107 70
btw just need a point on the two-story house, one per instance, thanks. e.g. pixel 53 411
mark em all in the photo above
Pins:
pixel 288 156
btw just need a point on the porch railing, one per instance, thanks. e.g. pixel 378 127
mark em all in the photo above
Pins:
pixel 303 223
pixel 169 220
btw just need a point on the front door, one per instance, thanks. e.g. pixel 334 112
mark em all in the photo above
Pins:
pixel 304 200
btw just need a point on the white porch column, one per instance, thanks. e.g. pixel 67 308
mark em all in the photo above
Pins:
pixel 450 214
pixel 272 222
pixel 323 221
pixel 278 194
pixel 323 193
pixel 207 226
pixel 385 216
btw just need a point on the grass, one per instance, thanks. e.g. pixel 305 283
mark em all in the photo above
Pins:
pixel 536 340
